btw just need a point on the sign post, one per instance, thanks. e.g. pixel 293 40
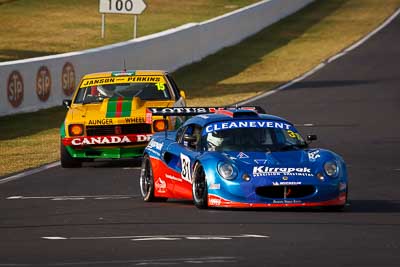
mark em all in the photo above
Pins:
pixel 134 26
pixel 103 23
pixel 134 7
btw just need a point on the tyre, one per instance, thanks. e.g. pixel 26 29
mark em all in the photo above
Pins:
pixel 147 181
pixel 66 160
pixel 199 187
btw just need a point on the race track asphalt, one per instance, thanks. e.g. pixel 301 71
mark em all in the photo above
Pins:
pixel 94 216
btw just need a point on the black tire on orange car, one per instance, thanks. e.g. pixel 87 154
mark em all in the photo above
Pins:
pixel 66 160
pixel 147 182
pixel 199 187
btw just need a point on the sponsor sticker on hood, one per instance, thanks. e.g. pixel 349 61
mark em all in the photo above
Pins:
pixel 268 171
pixel 313 155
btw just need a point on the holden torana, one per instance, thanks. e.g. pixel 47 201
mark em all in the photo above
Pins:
pixel 106 117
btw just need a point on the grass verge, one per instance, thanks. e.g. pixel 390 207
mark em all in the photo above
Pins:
pixel 274 56
pixel 283 51
pixel 31 28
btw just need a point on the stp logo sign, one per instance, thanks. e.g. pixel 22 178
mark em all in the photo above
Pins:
pixel 68 79
pixel 43 83
pixel 15 89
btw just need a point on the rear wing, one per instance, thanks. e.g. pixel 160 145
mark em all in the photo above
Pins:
pixel 192 111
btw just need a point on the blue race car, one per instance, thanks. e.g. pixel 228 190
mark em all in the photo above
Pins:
pixel 239 158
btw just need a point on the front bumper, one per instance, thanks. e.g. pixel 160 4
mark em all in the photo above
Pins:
pixel 105 152
pixel 218 201
pixel 250 195
pixel 106 147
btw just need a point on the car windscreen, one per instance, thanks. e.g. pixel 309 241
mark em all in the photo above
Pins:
pixel 144 87
pixel 258 136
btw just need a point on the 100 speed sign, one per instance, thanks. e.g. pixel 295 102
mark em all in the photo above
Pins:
pixel 122 6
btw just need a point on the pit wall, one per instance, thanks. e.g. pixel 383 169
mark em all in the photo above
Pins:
pixel 43 82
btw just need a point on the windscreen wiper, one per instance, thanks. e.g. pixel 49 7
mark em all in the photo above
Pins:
pixel 292 147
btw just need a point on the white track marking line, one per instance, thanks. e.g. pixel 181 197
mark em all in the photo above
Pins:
pixel 40 169
pixel 320 66
pixel 159 237
pixel 99 197
pixel 136 262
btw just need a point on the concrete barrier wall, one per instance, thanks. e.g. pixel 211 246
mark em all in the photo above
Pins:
pixel 33 84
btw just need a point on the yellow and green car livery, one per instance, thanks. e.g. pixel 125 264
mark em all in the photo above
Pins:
pixel 107 115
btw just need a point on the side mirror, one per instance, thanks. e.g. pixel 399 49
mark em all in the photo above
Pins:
pixel 311 137
pixel 189 138
pixel 67 103
pixel 183 94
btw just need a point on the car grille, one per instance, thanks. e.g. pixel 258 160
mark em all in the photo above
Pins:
pixel 139 128
pixel 276 192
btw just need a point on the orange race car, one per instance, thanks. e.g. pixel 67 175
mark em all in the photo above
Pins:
pixel 107 119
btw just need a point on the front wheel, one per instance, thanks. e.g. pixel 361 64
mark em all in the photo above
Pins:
pixel 66 160
pixel 199 187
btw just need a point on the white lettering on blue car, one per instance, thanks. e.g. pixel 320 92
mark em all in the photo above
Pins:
pixel 267 171
pixel 155 144
pixel 313 155
pixel 286 183
pixel 218 126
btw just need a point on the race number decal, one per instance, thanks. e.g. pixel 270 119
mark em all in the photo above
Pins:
pixel 293 135
pixel 160 86
pixel 185 173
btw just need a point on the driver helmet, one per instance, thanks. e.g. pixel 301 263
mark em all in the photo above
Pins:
pixel 215 139
pixel 103 91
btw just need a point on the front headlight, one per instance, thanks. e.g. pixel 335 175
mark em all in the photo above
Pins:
pixel 331 168
pixel 75 129
pixel 227 170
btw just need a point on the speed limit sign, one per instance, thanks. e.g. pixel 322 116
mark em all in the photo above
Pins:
pixel 134 7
